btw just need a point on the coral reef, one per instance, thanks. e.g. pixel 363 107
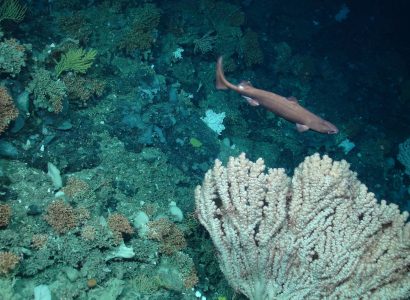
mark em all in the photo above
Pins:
pixel 124 128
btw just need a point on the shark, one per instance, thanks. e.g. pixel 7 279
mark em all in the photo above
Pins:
pixel 286 108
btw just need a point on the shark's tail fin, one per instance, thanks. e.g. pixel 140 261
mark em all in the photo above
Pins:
pixel 220 77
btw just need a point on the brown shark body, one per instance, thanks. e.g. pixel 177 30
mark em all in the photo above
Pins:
pixel 287 108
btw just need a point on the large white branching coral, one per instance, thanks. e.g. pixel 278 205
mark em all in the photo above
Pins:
pixel 317 235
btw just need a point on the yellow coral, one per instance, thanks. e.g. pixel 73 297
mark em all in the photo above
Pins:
pixel 77 60
pixel 12 10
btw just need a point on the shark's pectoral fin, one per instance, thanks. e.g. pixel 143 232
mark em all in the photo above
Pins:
pixel 301 128
pixel 251 101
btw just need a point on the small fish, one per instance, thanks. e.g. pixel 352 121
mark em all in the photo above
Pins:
pixel 287 108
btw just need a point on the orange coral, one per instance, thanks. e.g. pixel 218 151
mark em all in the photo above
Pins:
pixel 91 283
pixel 76 187
pixel 8 261
pixel 61 216
pixel 81 89
pixel 191 278
pixel 38 241
pixel 8 111
pixel 82 214
pixel 119 225
pixel 76 25
pixel 16 45
pixel 88 233
pixel 5 214
pixel 171 237
pixel 141 36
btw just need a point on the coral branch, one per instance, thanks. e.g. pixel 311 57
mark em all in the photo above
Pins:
pixel 317 235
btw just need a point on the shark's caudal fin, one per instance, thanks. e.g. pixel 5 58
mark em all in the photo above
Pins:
pixel 220 78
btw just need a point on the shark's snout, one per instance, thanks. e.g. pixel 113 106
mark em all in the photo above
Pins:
pixel 332 129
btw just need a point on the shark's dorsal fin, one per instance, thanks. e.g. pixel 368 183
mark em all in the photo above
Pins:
pixel 245 83
pixel 293 99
